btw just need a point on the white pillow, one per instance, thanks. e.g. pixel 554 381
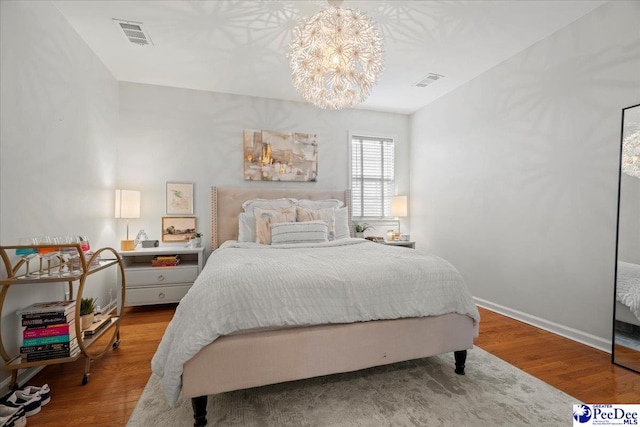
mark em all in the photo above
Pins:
pixel 342 223
pixel 270 204
pixel 320 204
pixel 299 232
pixel 246 227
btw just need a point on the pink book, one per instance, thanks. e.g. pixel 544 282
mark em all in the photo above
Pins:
pixel 49 331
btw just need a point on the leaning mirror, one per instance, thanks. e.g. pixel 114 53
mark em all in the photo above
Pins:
pixel 626 330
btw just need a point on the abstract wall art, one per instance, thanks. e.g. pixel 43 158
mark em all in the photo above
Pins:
pixel 280 156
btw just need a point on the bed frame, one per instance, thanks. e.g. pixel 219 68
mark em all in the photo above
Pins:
pixel 241 361
pixel 624 314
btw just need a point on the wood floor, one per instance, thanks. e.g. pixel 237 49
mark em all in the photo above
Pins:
pixel 118 379
pixel 579 370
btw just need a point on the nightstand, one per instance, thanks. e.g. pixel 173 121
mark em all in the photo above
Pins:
pixel 159 285
pixel 402 244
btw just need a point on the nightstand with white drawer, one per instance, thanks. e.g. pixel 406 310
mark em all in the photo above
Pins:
pixel 159 285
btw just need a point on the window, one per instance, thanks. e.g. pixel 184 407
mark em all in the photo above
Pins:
pixel 372 176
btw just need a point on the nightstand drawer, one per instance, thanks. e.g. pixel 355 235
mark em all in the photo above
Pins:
pixel 161 275
pixel 156 294
pixel 158 285
pixel 399 243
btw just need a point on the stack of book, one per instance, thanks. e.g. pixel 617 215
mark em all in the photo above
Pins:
pixel 165 261
pixel 48 331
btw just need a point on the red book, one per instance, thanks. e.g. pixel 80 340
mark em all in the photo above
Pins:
pixel 49 330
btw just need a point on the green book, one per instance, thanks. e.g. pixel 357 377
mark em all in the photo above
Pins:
pixel 45 340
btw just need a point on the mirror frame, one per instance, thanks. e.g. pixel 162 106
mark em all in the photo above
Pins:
pixel 615 281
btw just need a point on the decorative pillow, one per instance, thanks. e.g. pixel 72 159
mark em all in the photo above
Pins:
pixel 327 215
pixel 342 223
pixel 299 232
pixel 266 217
pixel 272 204
pixel 246 227
pixel 320 204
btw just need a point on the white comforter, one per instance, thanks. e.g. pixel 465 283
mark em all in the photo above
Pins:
pixel 628 286
pixel 247 286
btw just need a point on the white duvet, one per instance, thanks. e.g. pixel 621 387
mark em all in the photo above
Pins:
pixel 248 286
pixel 628 286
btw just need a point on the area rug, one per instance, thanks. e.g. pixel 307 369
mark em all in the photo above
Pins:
pixel 424 392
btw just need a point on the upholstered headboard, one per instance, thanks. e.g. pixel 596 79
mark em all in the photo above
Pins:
pixel 226 204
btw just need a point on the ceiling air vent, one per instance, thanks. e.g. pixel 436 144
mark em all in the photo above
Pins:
pixel 134 32
pixel 430 78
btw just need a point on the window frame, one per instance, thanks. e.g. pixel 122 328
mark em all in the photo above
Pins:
pixel 381 137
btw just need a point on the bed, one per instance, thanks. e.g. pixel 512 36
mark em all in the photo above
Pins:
pixel 223 351
pixel 628 293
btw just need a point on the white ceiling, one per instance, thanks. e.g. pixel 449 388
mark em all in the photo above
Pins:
pixel 239 47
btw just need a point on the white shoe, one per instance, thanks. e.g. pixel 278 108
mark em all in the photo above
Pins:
pixel 12 417
pixel 44 392
pixel 30 403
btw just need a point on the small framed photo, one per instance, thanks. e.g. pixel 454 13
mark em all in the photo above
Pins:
pixel 178 228
pixel 179 198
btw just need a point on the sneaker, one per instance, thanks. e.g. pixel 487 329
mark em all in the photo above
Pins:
pixel 6 422
pixel 30 403
pixel 12 417
pixel 44 392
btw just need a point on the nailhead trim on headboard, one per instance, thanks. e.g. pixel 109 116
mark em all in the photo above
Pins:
pixel 214 218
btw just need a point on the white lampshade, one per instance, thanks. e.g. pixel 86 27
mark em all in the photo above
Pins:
pixel 399 206
pixel 127 204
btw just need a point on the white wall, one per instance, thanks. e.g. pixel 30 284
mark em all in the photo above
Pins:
pixel 172 134
pixel 514 175
pixel 58 128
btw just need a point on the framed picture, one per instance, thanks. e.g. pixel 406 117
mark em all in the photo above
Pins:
pixel 280 156
pixel 179 198
pixel 178 228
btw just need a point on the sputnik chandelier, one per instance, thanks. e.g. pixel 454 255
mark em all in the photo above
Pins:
pixel 336 57
pixel 631 154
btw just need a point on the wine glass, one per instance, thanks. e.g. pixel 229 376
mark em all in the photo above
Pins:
pixel 42 240
pixel 84 243
pixel 57 251
pixel 70 253
pixel 26 253
pixel 47 252
pixel 65 255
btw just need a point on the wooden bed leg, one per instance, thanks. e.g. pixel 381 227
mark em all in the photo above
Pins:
pixel 199 405
pixel 461 358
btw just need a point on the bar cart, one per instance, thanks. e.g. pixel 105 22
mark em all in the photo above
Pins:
pixel 79 270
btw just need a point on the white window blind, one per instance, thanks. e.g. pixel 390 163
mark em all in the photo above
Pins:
pixel 372 176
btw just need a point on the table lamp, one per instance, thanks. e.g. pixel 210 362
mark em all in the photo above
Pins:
pixel 399 207
pixel 127 207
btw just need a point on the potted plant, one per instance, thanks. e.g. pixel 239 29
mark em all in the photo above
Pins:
pixel 87 309
pixel 359 229
pixel 196 240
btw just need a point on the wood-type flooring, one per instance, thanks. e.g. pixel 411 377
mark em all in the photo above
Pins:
pixel 118 378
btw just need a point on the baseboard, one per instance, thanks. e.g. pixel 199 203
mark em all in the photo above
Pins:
pixel 23 377
pixel 556 328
